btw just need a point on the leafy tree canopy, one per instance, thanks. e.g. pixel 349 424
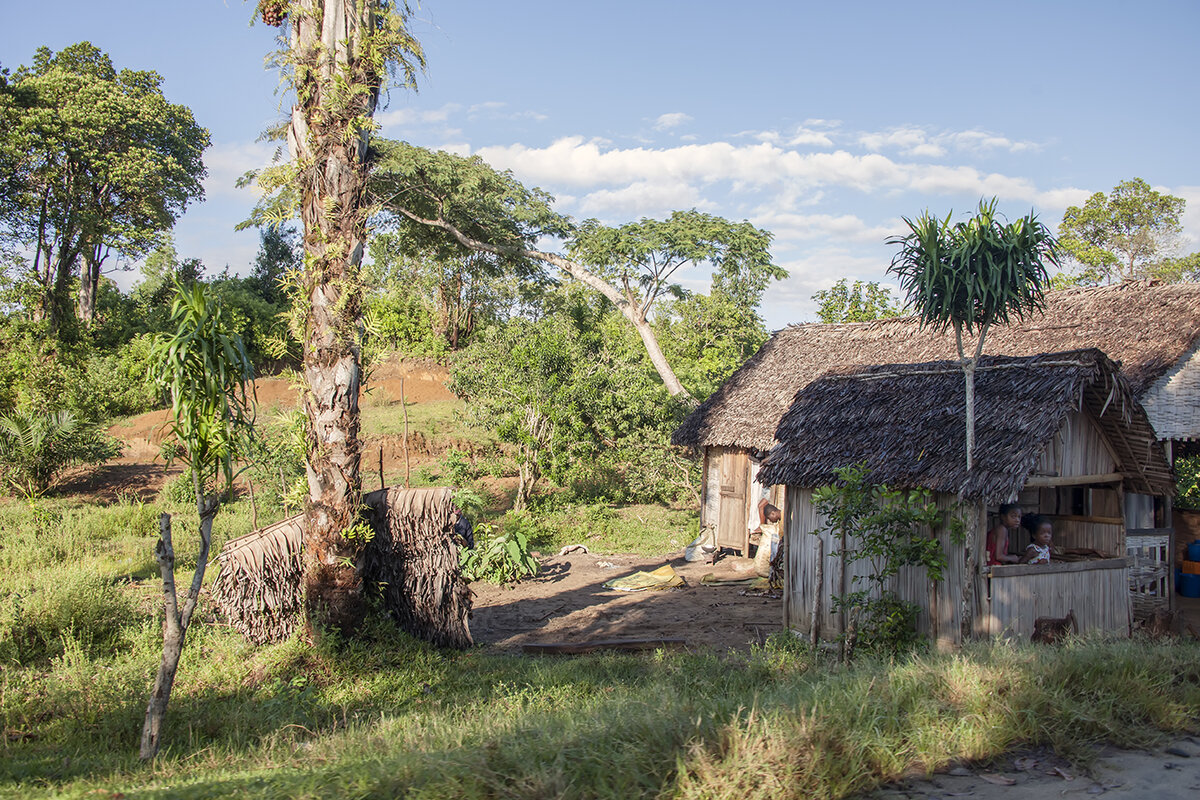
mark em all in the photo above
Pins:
pixel 95 159
pixel 861 302
pixel 1129 233
pixel 633 265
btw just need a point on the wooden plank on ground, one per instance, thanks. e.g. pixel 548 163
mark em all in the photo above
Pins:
pixel 624 645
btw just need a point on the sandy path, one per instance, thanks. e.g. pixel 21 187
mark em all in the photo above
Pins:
pixel 1169 773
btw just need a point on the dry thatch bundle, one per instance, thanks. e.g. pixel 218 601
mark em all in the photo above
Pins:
pixel 413 557
pixel 414 560
pixel 1146 327
pixel 906 422
pixel 257 587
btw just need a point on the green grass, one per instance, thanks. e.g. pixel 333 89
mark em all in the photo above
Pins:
pixel 386 716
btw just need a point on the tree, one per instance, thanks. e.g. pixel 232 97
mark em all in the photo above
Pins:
pixel 206 370
pixel 101 162
pixel 338 54
pixel 632 265
pixel 572 391
pixel 1123 235
pixel 890 528
pixel 861 302
pixel 459 288
pixel 278 254
pixel 971 275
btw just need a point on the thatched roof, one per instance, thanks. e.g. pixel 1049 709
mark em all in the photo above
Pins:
pixel 413 558
pixel 1147 327
pixel 906 421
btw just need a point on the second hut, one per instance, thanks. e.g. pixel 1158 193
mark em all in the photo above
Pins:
pixel 1061 433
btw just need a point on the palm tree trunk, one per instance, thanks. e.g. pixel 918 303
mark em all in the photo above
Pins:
pixel 329 146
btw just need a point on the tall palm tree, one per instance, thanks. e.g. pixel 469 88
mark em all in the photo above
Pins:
pixel 338 55
pixel 972 275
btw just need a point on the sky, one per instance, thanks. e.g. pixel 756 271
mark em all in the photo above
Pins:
pixel 824 123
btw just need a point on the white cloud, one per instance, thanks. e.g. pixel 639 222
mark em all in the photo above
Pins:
pixel 642 199
pixel 920 142
pixel 592 165
pixel 227 162
pixel 674 119
pixel 1191 217
pixel 789 227
pixel 810 137
pixel 407 117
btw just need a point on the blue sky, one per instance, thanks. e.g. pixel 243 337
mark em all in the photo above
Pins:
pixel 824 123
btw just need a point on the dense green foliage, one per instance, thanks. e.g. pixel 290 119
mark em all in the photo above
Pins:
pixel 1129 233
pixel 861 302
pixel 573 393
pixel 498 556
pixel 35 448
pixel 96 161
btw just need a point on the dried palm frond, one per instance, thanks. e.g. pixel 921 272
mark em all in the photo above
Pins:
pixel 414 560
pixel 257 587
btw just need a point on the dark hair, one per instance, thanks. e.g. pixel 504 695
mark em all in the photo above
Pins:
pixel 1005 508
pixel 768 508
pixel 1033 523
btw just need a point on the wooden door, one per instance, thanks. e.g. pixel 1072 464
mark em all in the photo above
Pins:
pixel 732 531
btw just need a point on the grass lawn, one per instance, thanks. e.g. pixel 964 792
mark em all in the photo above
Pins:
pixel 388 716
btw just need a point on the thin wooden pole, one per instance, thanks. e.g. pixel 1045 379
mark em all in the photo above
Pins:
pixel 381 483
pixel 814 624
pixel 404 405
pixel 253 507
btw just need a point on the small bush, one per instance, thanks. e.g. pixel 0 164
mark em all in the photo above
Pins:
pixel 35 448
pixel 498 558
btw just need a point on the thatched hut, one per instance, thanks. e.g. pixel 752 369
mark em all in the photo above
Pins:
pixel 1152 330
pixel 413 558
pixel 1061 432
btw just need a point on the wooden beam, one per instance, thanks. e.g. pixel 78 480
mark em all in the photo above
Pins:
pixel 1097 520
pixel 1016 570
pixel 1038 481
pixel 579 648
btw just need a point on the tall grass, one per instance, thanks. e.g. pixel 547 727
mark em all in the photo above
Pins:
pixel 385 716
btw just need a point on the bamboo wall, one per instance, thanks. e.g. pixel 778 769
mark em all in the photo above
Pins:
pixel 809 553
pixel 1097 591
pixel 1078 448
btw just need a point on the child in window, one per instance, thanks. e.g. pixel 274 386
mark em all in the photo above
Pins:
pixel 1042 534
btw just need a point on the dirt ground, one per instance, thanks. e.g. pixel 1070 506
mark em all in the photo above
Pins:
pixel 1170 772
pixel 567 603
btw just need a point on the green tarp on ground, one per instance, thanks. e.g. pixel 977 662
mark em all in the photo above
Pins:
pixel 662 578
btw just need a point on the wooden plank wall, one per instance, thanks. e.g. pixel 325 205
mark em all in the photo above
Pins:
pixel 1078 448
pixel 710 507
pixel 1099 598
pixel 912 584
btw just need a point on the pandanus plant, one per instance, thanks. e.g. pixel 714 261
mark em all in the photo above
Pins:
pixel 972 275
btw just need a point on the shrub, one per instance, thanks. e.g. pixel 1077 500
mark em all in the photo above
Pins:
pixel 498 558
pixel 35 448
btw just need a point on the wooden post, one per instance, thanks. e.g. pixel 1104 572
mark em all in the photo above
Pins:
pixel 404 406
pixel 382 485
pixel 842 594
pixel 814 625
